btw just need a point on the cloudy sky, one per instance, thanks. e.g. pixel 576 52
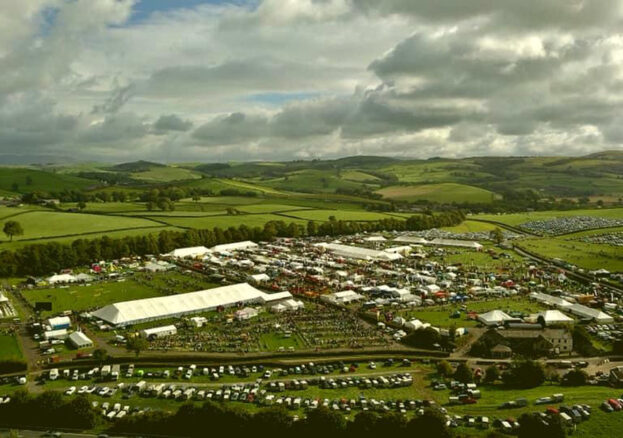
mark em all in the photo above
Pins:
pixel 208 80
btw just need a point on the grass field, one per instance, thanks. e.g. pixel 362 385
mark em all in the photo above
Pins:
pixel 39 224
pixel 311 181
pixel 480 260
pixel 119 219
pixel 359 176
pixel 112 234
pixel 273 341
pixel 269 208
pixel 252 220
pixel 441 193
pixel 165 174
pixel 439 316
pixel 31 180
pixel 324 215
pixel 583 254
pixel 81 298
pixel 9 348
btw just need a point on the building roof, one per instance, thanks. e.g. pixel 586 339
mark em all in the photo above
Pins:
pixel 456 242
pixel 61 278
pixel 356 252
pixel 193 251
pixel 494 317
pixel 554 317
pixel 149 309
pixel 59 320
pixel 551 300
pixel 161 329
pixel 236 246
pixel 411 239
pixel 588 312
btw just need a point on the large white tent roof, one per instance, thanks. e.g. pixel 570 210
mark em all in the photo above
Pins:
pixel 236 246
pixel 493 317
pixel 555 317
pixel 193 251
pixel 356 252
pixel 150 309
pixel 551 300
pixel 587 312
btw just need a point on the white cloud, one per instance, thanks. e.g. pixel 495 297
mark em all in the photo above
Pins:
pixel 306 78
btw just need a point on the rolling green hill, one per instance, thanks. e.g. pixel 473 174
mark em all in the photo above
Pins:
pixel 442 180
pixel 441 193
pixel 24 180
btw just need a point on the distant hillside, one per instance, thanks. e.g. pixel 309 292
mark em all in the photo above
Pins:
pixel 15 180
pixel 444 180
pixel 136 166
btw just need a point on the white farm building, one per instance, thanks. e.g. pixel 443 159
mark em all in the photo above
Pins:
pixel 152 309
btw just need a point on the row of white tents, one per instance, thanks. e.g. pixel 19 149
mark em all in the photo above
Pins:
pixel 580 310
pixel 202 251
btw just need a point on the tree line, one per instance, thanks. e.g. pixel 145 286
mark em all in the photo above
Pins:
pixel 48 410
pixel 192 420
pixel 42 259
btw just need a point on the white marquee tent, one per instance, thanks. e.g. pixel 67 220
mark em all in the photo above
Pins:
pixel 190 252
pixel 151 309
pixel 356 252
pixel 494 317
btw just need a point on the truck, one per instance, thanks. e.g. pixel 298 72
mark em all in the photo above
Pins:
pixel 105 372
pixel 115 371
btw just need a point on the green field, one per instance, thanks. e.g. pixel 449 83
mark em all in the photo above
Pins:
pixel 31 180
pixel 584 255
pixel 80 298
pixel 311 181
pixel 45 224
pixel 324 215
pixel 441 193
pixel 251 220
pixel 274 341
pixel 269 208
pixel 359 176
pixel 439 316
pixel 165 174
pixel 9 348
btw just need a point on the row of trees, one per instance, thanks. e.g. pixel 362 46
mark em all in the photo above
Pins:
pixel 42 259
pixel 48 410
pixel 521 374
pixel 193 421
pixel 172 193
